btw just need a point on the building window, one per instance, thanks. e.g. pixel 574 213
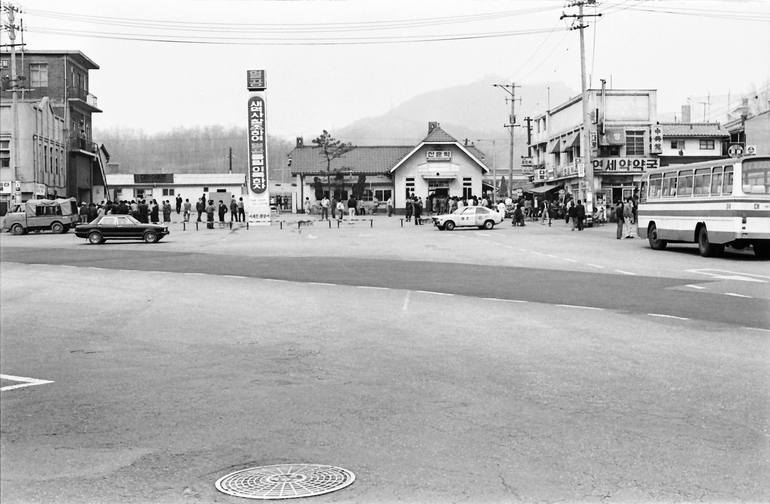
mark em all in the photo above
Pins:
pixel 409 187
pixel 5 153
pixel 168 192
pixel 382 194
pixel 467 188
pixel 205 189
pixel 634 143
pixel 38 75
pixel 707 145
pixel 677 144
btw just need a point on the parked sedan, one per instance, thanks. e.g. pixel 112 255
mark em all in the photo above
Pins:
pixel 478 216
pixel 119 227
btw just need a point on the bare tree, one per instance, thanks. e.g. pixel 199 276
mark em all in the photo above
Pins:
pixel 331 149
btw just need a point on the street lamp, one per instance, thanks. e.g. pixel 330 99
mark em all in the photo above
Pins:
pixel 494 164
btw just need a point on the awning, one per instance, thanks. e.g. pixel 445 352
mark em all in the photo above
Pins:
pixel 542 189
pixel 572 141
pixel 612 136
pixel 554 147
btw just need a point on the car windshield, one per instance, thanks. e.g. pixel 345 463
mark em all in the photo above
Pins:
pixel 463 210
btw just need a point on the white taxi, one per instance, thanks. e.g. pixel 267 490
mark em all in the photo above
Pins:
pixel 477 216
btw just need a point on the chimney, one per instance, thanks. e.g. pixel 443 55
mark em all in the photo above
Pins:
pixel 300 142
pixel 432 125
pixel 685 113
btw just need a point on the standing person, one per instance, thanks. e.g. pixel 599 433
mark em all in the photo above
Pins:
pixel 351 208
pixel 187 208
pixel 572 214
pixel 501 208
pixel 628 218
pixel 166 212
pixel 333 205
pixel 154 212
pixel 325 208
pixel 375 204
pixel 210 209
pixel 83 212
pixel 619 218
pixel 360 210
pixel 417 211
pixel 178 203
pixel 580 214
pixel 200 207
pixel 340 209
pixel 544 213
pixel 234 210
pixel 308 206
pixel 222 209
pixel 409 207
pixel 389 204
pixel 134 209
pixel 241 210
pixel 144 211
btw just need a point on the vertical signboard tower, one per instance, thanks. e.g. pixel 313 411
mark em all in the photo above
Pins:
pixel 258 201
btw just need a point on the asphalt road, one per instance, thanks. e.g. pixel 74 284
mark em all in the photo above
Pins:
pixel 637 294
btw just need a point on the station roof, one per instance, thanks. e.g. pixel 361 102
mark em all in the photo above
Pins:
pixel 707 130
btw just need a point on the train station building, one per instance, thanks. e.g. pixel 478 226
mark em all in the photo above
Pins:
pixel 437 165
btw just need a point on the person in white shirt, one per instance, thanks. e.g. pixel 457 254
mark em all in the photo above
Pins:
pixel 340 209
pixel 325 208
pixel 501 208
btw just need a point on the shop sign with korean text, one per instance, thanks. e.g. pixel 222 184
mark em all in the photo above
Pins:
pixel 257 204
pixel 624 164
pixel 437 155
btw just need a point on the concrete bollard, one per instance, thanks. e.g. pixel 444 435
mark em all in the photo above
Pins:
pixel 196 225
pixel 402 222
pixel 371 223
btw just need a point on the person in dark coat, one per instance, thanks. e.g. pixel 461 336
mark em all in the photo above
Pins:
pixel 178 203
pixel 417 211
pixel 200 207
pixel 580 215
pixel 92 212
pixel 222 211
pixel 154 212
pixel 167 212
pixel 234 210
pixel 409 208
pixel 143 212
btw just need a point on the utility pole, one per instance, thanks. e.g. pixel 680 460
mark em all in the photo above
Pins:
pixel 585 147
pixel 510 89
pixel 11 11
pixel 230 157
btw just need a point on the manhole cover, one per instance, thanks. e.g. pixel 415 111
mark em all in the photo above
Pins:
pixel 285 481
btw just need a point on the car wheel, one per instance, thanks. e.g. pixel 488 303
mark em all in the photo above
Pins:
pixel 17 229
pixel 95 238
pixel 57 228
pixel 705 247
pixel 652 236
pixel 489 224
pixel 150 236
pixel 449 225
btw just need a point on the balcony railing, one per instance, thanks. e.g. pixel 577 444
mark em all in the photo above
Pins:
pixel 82 94
pixel 83 144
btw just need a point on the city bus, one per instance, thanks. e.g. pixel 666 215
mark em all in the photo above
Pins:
pixel 717 203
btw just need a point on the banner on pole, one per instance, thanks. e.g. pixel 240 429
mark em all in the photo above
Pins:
pixel 258 201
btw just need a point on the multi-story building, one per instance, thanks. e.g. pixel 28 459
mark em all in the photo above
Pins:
pixel 621 142
pixel 61 77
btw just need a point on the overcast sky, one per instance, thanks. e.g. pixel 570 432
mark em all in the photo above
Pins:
pixel 318 79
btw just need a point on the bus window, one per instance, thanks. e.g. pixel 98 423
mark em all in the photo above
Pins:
pixel 727 187
pixel 656 182
pixel 756 176
pixel 669 184
pixel 684 186
pixel 643 192
pixel 702 182
pixel 716 181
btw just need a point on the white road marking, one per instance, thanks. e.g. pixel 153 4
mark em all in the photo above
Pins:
pixel 321 283
pixel 699 287
pixel 275 280
pixel 580 306
pixel 96 268
pixel 662 315
pixel 757 329
pixel 371 287
pixel 234 276
pixel 595 265
pixel 625 272
pixel 436 293
pixel 27 382
pixel 506 300
pixel 569 260
pixel 730 275
pixel 551 256
pixel 733 294
pixel 406 301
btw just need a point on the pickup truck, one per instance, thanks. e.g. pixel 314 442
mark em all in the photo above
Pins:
pixel 37 214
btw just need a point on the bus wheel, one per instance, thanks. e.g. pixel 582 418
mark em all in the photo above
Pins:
pixel 706 248
pixel 655 242
pixel 762 249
